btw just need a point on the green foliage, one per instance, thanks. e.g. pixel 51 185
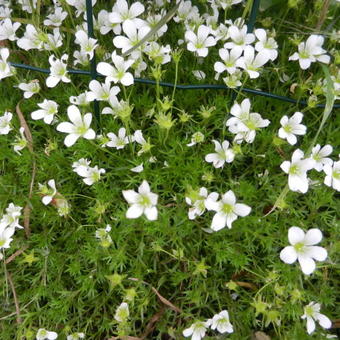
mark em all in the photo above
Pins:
pixel 68 282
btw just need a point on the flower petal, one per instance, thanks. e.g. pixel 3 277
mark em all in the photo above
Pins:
pixel 310 325
pixel 324 321
pixel 288 255
pixel 131 196
pixel 218 222
pixel 241 209
pixel 134 211
pixel 307 264
pixel 151 213
pixel 313 236
pixel 317 253
pixel 295 235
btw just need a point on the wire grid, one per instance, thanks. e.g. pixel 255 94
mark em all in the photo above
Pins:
pixel 94 75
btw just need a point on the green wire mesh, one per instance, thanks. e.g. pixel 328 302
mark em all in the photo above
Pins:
pixel 94 75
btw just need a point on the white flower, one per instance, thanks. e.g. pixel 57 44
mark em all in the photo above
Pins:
pixel 119 141
pixel 5 123
pixel 80 5
pixel 87 44
pixel 312 314
pixel 222 323
pixel 199 74
pixel 200 42
pixel 332 178
pixel 11 218
pixel 81 58
pixel 104 236
pixel 158 53
pixel 266 45
pixel 102 92
pixel 56 18
pixel 30 88
pixel 8 29
pixel 311 51
pixel 117 73
pixel 225 4
pixel 291 127
pixel 53 41
pixel 81 166
pixel 80 126
pixel 104 24
pixel 20 141
pixel 90 175
pixel 303 249
pixel 134 35
pixel 48 108
pixel 6 70
pixel 48 193
pixel 76 336
pixel 297 171
pixel 319 156
pixel 197 202
pixel 186 12
pixel 138 138
pixel 234 80
pixel 43 334
pixel 6 234
pixel 251 63
pixel 196 138
pixel 229 60
pixel 197 330
pixel 227 210
pixel 223 154
pixel 139 168
pixel 58 71
pixel 239 37
pixel 83 99
pixel 143 202
pixel 122 312
pixel 153 19
pixel 245 124
pixel 32 39
pixel 121 12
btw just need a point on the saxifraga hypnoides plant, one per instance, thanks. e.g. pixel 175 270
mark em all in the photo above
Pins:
pixel 131 211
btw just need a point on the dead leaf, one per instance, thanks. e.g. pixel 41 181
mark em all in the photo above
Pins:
pixel 335 323
pixel 28 135
pixel 248 285
pixel 293 87
pixel 127 337
pixel 152 323
pixel 23 124
pixel 260 336
pixel 163 299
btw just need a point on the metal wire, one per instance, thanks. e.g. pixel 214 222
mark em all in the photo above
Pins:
pixel 183 87
pixel 93 70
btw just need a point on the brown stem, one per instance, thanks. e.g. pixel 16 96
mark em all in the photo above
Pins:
pixel 17 309
pixel 14 255
pixel 323 14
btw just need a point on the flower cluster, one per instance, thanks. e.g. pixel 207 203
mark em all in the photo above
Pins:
pixel 90 174
pixel 219 322
pixel 8 223
pixel 226 209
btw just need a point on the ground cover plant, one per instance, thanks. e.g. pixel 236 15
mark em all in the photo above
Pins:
pixel 133 210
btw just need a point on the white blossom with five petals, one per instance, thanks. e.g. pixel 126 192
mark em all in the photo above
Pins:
pixel 143 202
pixel 227 210
pixel 303 249
pixel 79 126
